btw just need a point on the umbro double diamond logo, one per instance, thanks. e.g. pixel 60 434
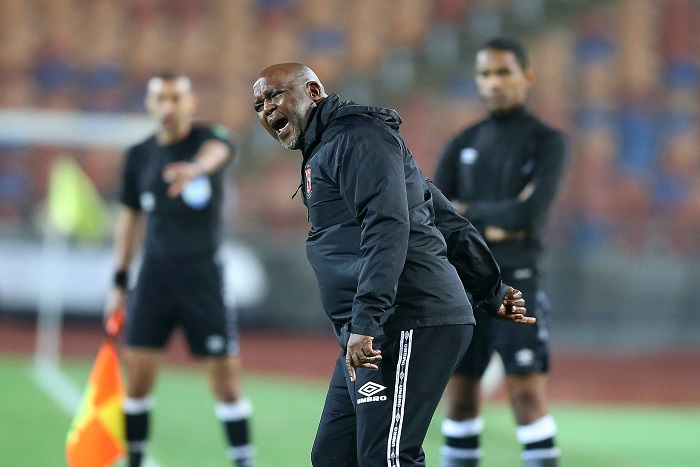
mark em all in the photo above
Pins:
pixel 369 390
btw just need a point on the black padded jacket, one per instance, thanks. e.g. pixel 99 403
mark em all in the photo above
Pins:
pixel 378 256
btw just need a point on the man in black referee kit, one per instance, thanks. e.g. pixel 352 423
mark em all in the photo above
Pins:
pixel 173 182
pixel 504 173
pixel 397 305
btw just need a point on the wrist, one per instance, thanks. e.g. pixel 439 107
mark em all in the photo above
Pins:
pixel 199 168
pixel 121 279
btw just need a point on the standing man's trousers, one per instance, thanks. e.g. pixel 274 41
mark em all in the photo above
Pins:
pixel 382 418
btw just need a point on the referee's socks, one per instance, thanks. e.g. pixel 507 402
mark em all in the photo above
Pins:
pixel 537 438
pixel 137 412
pixel 461 448
pixel 235 418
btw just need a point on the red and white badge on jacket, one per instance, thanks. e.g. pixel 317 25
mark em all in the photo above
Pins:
pixel 307 176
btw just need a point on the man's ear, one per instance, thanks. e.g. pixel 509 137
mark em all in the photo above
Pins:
pixel 315 91
pixel 529 76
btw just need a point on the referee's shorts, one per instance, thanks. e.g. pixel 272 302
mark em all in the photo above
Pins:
pixel 186 293
pixel 524 349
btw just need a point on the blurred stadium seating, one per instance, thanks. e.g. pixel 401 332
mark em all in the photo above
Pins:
pixel 620 76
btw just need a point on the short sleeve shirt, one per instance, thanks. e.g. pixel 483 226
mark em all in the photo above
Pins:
pixel 188 226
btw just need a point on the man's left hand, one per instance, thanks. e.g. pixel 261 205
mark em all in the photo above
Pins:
pixel 359 353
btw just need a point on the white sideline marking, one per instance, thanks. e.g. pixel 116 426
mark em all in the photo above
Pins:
pixel 493 377
pixel 56 384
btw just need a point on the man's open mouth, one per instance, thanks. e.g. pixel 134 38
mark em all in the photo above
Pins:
pixel 279 124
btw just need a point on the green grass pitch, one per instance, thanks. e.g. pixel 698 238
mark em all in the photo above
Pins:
pixel 185 432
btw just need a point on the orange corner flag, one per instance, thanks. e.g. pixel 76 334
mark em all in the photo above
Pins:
pixel 97 434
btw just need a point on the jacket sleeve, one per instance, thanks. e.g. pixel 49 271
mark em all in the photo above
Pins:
pixel 373 185
pixel 469 254
pixel 446 174
pixel 514 214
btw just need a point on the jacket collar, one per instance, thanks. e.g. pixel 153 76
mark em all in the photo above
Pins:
pixel 319 119
pixel 330 109
pixel 512 114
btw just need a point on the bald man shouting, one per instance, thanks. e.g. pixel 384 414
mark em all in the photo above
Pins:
pixel 397 305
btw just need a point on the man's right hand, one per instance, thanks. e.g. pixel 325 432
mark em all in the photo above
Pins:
pixel 513 308
pixel 116 302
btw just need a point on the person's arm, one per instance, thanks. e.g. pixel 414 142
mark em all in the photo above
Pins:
pixel 211 157
pixel 511 219
pixel 476 266
pixel 128 232
pixel 128 236
pixel 127 240
pixel 446 173
pixel 373 185
pixel 468 252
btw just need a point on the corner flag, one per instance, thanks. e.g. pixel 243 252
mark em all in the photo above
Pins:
pixel 97 434
pixel 74 205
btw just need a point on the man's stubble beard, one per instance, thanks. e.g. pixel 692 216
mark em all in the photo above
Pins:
pixel 295 143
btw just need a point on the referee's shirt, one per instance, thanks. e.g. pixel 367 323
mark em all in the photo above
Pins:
pixel 189 225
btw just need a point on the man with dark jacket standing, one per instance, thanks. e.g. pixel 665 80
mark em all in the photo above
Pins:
pixel 504 173
pixel 396 303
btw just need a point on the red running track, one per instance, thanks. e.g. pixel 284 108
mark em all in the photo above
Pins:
pixel 671 378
